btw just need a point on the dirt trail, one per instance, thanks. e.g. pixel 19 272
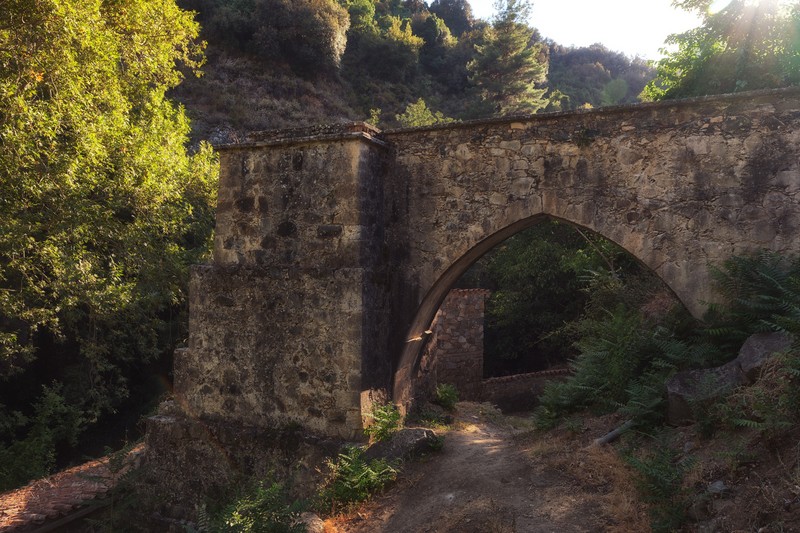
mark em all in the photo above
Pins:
pixel 486 479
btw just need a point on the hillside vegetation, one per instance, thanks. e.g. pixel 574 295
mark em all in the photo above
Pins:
pixel 275 63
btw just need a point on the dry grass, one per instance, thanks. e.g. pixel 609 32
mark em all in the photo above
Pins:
pixel 599 473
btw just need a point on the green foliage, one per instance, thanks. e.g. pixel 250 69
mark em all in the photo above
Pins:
pixel 362 15
pixel 390 52
pixel 625 359
pixel 624 356
pixel 746 46
pixel 456 14
pixel 310 34
pixel 762 293
pixel 386 420
pixel 660 483
pixel 614 92
pixel 102 208
pixel 265 508
pixel 353 479
pixel 771 405
pixel 507 67
pixel 418 114
pixel 537 282
pixel 596 75
pixel 55 423
pixel 446 396
pixel 613 351
pixel 374 116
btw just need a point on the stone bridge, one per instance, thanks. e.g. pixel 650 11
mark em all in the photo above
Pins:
pixel 335 245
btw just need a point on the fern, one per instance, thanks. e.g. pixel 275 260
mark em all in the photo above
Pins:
pixel 763 294
pixel 660 483
pixel 264 508
pixel 385 422
pixel 353 478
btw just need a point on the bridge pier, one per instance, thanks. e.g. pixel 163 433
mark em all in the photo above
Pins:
pixel 285 323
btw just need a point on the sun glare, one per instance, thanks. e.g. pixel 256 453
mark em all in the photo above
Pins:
pixel 718 5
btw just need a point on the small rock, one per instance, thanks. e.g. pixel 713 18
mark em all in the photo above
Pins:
pixel 313 523
pixel 719 488
pixel 404 444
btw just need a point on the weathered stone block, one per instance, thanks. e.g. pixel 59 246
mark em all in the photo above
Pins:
pixel 758 349
pixel 687 390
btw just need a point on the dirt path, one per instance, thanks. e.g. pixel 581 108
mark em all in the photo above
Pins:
pixel 490 478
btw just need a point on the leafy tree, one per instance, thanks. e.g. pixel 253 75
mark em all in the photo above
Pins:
pixel 101 208
pixel 596 75
pixel 418 114
pixel 457 14
pixel 507 67
pixel 438 41
pixel 390 54
pixel 536 279
pixel 747 45
pixel 362 15
pixel 311 35
pixel 614 91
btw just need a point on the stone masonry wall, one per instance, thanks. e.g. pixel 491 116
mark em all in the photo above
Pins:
pixel 681 185
pixel 286 324
pixel 454 350
pixel 519 392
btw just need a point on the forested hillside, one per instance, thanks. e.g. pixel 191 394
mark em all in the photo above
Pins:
pixel 280 63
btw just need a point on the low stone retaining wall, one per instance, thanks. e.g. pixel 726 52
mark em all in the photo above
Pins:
pixel 521 391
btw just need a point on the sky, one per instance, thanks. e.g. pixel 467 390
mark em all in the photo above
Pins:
pixel 635 27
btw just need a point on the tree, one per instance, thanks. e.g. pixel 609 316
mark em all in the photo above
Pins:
pixel 507 67
pixel 101 208
pixel 417 114
pixel 362 15
pixel 457 14
pixel 537 279
pixel 745 46
pixel 311 35
pixel 595 75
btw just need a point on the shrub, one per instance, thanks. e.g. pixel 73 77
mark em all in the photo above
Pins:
pixel 262 509
pixel 385 422
pixel 353 479
pixel 446 396
pixel 762 293
pixel 772 405
pixel 660 483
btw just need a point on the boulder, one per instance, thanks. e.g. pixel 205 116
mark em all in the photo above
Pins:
pixel 758 349
pixel 404 444
pixel 691 387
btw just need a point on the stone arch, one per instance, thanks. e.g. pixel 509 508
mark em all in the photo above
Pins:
pixel 411 352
